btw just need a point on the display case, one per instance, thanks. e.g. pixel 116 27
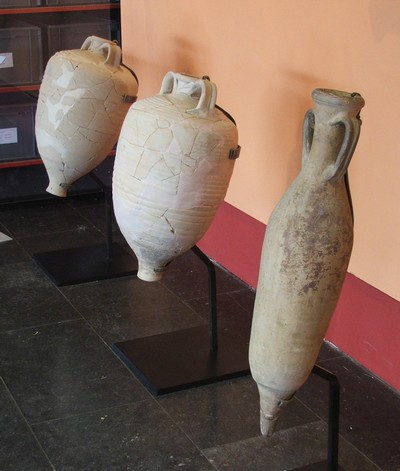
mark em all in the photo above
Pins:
pixel 31 31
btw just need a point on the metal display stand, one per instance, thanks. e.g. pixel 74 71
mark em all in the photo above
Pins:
pixel 333 420
pixel 96 262
pixel 187 358
pixel 332 462
pixel 183 359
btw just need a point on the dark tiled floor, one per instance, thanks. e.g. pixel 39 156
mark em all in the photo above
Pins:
pixel 68 403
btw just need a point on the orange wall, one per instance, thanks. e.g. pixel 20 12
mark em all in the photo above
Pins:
pixel 266 57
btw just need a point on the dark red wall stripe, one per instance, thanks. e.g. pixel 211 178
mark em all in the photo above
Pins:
pixel 235 240
pixel 366 326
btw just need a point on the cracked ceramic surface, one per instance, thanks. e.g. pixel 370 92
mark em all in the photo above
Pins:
pixel 305 255
pixel 172 170
pixel 83 99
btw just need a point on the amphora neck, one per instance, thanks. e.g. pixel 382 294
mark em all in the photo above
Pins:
pixel 330 132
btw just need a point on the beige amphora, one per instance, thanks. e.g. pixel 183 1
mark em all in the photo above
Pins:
pixel 83 99
pixel 174 161
pixel 305 255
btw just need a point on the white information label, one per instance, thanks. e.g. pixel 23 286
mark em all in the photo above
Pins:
pixel 6 60
pixel 8 136
pixel 4 238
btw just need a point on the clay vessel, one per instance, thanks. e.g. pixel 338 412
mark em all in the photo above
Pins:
pixel 83 99
pixel 305 255
pixel 174 161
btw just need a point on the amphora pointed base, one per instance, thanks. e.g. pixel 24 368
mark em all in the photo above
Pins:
pixel 271 404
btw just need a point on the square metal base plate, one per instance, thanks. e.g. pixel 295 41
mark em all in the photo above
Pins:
pixel 182 359
pixel 320 466
pixel 84 264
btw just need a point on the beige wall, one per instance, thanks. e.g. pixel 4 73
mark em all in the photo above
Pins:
pixel 266 57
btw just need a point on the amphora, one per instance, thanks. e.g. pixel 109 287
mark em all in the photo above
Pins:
pixel 83 99
pixel 174 161
pixel 305 255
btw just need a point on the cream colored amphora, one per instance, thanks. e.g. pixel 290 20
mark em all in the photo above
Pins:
pixel 305 255
pixel 174 161
pixel 83 99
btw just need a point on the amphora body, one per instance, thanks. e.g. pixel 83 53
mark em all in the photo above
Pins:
pixel 83 99
pixel 174 161
pixel 305 255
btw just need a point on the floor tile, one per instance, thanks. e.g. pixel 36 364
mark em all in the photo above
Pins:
pixel 369 411
pixel 28 298
pixel 3 228
pixel 286 450
pixel 231 317
pixel 94 210
pixel 129 308
pixel 245 298
pixel 19 450
pixel 83 236
pixel 25 220
pixel 187 277
pixel 225 412
pixel 11 252
pixel 328 352
pixel 63 369
pixel 136 437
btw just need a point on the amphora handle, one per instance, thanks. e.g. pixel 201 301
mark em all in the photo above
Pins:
pixel 111 51
pixel 192 86
pixel 352 133
pixel 308 133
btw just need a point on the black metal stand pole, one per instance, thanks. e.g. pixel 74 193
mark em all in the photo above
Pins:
pixel 182 359
pixel 212 298
pixel 108 209
pixel 108 212
pixel 333 424
pixel 93 263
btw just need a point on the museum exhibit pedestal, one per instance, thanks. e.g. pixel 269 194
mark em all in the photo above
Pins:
pixel 187 358
pixel 91 263
pixel 183 359
pixel 83 264
pixel 180 360
pixel 332 461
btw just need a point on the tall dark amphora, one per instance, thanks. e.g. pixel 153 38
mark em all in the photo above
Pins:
pixel 305 255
